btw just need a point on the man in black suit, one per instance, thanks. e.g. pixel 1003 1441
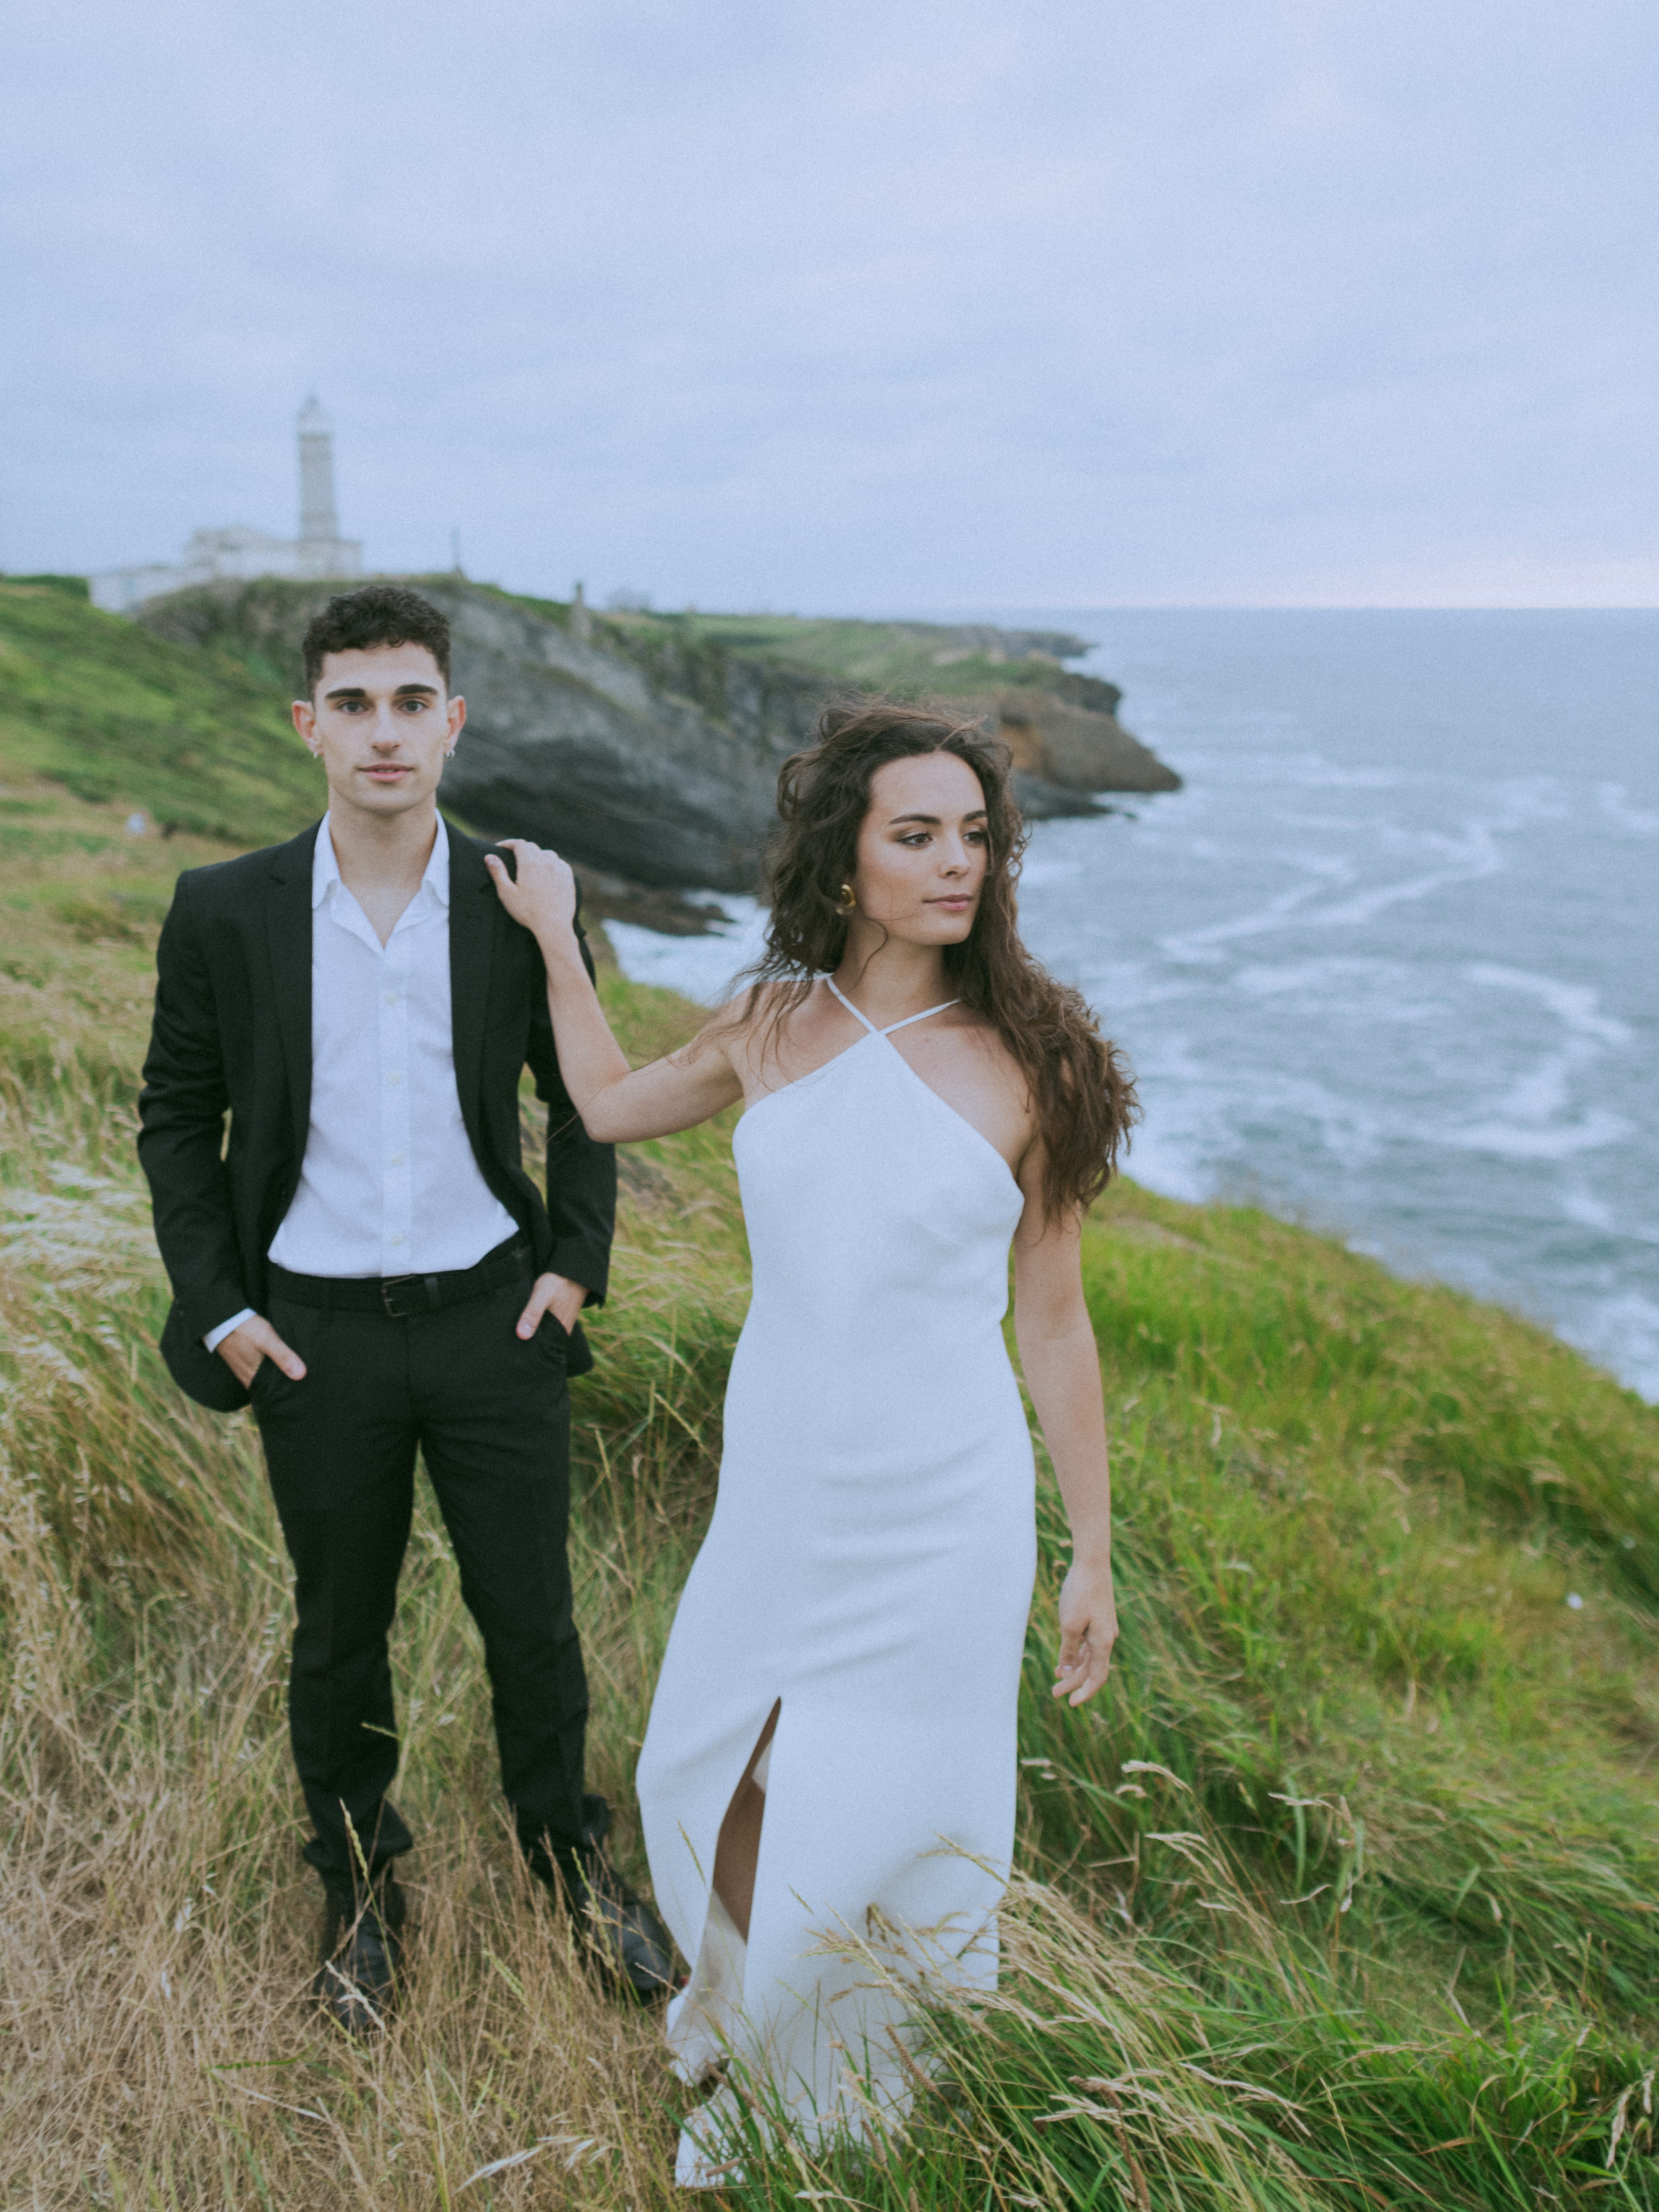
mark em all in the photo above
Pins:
pixel 369 1265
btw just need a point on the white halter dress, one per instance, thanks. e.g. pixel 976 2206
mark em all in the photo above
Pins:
pixel 869 1567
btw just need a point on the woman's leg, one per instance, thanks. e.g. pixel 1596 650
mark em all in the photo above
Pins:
pixel 738 1847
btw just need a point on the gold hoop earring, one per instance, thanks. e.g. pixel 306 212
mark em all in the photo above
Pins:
pixel 846 904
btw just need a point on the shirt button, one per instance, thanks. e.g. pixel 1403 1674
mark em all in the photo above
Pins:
pixel 394 1079
pixel 397 1240
pixel 392 997
pixel 396 1159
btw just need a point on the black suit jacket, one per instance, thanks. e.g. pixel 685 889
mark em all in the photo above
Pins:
pixel 233 1031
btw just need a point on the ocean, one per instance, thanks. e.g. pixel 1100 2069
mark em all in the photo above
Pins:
pixel 1389 964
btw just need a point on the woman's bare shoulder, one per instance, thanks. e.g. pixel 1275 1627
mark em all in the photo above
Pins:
pixel 758 1005
pixel 976 1029
pixel 757 1019
pixel 722 1031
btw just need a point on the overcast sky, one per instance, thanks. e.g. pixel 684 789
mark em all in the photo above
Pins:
pixel 841 306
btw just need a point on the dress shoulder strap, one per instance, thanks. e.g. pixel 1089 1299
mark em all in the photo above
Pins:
pixel 891 1026
pixel 850 1007
pixel 921 1016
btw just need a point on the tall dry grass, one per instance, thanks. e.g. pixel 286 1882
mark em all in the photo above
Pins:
pixel 157 1927
pixel 160 1927
pixel 1343 1896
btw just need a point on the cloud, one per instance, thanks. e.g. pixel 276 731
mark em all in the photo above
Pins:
pixel 848 305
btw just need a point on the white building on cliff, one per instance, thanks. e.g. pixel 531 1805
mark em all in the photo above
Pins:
pixel 237 551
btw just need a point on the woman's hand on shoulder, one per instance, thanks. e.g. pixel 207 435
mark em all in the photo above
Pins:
pixel 1088 1629
pixel 542 895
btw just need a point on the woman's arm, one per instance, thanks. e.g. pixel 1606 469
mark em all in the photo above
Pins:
pixel 1062 1361
pixel 618 1104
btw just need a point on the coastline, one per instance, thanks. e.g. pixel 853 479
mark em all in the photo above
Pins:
pixel 1381 1725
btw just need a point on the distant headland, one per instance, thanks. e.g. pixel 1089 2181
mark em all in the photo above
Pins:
pixel 646 745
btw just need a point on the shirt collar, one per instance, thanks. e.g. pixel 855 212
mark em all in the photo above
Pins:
pixel 325 868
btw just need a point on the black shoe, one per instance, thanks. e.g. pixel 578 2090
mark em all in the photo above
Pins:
pixel 632 1949
pixel 357 1980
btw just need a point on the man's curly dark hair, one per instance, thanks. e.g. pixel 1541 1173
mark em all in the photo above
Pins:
pixel 379 614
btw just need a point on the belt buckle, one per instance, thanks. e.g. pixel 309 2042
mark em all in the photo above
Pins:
pixel 389 1285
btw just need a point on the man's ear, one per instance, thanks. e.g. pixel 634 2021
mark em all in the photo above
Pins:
pixel 304 721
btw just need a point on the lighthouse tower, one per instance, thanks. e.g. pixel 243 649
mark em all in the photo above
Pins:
pixel 237 551
pixel 321 550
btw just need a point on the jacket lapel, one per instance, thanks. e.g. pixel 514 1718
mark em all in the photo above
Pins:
pixel 287 925
pixel 473 907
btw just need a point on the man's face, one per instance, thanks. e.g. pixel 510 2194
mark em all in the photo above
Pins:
pixel 382 724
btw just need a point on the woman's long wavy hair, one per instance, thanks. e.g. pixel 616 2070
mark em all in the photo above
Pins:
pixel 1079 1084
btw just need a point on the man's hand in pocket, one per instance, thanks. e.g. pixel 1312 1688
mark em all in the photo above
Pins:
pixel 553 1294
pixel 256 1340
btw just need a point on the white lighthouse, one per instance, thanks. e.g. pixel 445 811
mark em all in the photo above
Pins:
pixel 322 551
pixel 239 552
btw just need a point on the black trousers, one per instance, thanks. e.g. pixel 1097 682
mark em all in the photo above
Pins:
pixel 491 1415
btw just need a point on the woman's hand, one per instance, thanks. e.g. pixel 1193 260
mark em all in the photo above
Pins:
pixel 544 896
pixel 618 1104
pixel 1088 1629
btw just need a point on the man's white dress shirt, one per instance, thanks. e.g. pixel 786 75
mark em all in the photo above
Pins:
pixel 388 1185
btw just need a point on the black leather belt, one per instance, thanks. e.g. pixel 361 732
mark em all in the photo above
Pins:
pixel 400 1297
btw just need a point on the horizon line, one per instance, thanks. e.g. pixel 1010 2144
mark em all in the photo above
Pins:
pixel 1293 607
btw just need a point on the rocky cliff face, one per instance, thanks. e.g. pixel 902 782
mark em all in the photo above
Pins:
pixel 1076 744
pixel 565 742
pixel 642 750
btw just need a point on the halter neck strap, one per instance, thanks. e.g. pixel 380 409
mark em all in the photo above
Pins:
pixel 891 1026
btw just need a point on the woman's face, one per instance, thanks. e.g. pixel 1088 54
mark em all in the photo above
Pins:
pixel 923 850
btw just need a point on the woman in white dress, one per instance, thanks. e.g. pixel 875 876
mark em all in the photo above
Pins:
pixel 828 1780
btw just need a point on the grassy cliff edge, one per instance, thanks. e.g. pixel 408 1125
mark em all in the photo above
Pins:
pixel 1344 1894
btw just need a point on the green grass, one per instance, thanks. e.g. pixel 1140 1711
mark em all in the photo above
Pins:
pixel 903 660
pixel 1354 1587
pixel 192 738
pixel 74 587
pixel 689 652
pixel 1342 1895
